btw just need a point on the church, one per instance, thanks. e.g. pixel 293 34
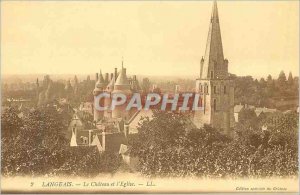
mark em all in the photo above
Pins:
pixel 114 126
pixel 214 82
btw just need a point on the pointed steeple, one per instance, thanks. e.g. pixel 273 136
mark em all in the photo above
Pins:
pixel 100 84
pixel 213 65
pixel 214 14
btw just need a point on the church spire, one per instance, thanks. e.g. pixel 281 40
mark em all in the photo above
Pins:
pixel 214 14
pixel 213 66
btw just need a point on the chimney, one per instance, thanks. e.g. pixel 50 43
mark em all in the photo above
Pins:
pixel 116 73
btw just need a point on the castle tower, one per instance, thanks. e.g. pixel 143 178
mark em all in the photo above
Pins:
pixel 121 86
pixel 99 88
pixel 107 101
pixel 214 85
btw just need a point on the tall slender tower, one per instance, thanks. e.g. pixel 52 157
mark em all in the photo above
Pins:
pixel 99 88
pixel 121 86
pixel 214 84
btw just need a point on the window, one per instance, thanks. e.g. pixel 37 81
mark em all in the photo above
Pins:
pixel 206 89
pixel 215 104
pixel 215 89
pixel 225 90
pixel 201 102
pixel 200 88
pixel 211 74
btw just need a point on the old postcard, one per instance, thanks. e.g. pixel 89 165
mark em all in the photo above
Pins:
pixel 149 96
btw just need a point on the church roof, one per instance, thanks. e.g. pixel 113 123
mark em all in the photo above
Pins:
pixel 214 49
pixel 238 108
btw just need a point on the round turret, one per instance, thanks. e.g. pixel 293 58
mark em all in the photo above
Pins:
pixel 122 85
pixel 99 86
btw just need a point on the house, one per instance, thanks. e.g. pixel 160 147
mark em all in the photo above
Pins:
pixel 134 122
pixel 259 111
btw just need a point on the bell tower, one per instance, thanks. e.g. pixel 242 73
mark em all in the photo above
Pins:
pixel 214 84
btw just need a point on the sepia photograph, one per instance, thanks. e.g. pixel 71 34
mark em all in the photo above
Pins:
pixel 127 97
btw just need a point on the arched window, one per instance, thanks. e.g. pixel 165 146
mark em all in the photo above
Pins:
pixel 215 104
pixel 211 74
pixel 225 90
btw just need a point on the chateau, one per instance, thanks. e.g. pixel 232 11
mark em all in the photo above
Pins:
pixel 213 84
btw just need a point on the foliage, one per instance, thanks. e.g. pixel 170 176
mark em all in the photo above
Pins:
pixel 168 146
pixel 266 93
pixel 11 123
pixel 37 146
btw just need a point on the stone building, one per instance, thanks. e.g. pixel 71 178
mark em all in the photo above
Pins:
pixel 214 84
pixel 116 84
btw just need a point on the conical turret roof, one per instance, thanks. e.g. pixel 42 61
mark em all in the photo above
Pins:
pixel 111 84
pixel 122 78
pixel 100 83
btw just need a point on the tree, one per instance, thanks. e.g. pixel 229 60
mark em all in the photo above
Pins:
pixel 10 123
pixel 269 79
pixel 38 147
pixel 290 79
pixel 247 117
pixel 168 145
pixel 281 79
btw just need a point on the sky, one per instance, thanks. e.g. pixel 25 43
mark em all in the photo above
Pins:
pixel 153 37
